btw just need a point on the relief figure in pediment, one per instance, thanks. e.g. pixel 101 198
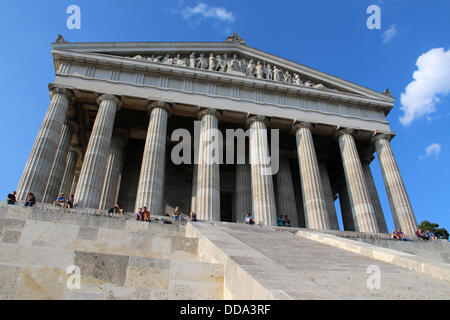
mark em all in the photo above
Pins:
pixel 192 60
pixel 287 77
pixel 233 64
pixel 276 73
pixel 179 61
pixel 211 63
pixel 297 80
pixel 308 84
pixel 218 63
pixel 268 72
pixel 259 70
pixel 167 59
pixel 250 70
pixel 202 62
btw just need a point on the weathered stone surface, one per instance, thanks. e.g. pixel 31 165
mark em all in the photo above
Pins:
pixel 102 268
pixel 88 233
pixel 11 236
pixel 148 274
pixel 42 283
pixel 9 276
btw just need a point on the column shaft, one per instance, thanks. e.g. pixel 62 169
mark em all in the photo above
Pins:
pixel 243 196
pixel 90 183
pixel 113 169
pixel 399 201
pixel 362 208
pixel 314 203
pixel 329 198
pixel 379 215
pixel 76 177
pixel 208 174
pixel 150 192
pixel 37 169
pixel 285 192
pixel 69 171
pixel 346 208
pixel 194 188
pixel 263 201
pixel 59 164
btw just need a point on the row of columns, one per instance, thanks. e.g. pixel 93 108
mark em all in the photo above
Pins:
pixel 96 185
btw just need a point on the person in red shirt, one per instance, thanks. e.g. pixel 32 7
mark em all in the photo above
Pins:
pixel 146 214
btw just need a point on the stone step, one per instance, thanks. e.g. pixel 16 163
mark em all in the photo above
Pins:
pixel 341 273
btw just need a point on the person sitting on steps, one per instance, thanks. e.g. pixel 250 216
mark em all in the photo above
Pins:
pixel 11 198
pixel 60 201
pixel 31 200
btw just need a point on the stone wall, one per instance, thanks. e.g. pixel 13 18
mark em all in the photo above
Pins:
pixel 118 258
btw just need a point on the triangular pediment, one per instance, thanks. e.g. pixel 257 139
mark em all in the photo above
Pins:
pixel 231 57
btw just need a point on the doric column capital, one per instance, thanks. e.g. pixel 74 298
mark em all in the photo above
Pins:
pixel 159 104
pixel 212 111
pixel 68 93
pixel 256 118
pixel 343 131
pixel 73 125
pixel 109 97
pixel 297 125
pixel 378 136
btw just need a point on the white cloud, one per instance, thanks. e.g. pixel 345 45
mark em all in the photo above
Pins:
pixel 204 11
pixel 389 34
pixel 431 81
pixel 433 149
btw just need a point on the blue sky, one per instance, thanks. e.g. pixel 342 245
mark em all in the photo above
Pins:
pixel 330 36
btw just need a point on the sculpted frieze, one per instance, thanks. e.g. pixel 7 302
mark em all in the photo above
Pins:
pixel 234 65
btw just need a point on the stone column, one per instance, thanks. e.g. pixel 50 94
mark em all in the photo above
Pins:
pixel 361 203
pixel 263 201
pixel 37 169
pixel 346 208
pixel 399 201
pixel 113 169
pixel 314 203
pixel 379 215
pixel 243 196
pixel 59 164
pixel 69 171
pixel 90 183
pixel 328 193
pixel 76 177
pixel 285 192
pixel 208 174
pixel 150 192
pixel 194 188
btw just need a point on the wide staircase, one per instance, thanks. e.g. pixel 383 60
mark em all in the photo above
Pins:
pixel 119 258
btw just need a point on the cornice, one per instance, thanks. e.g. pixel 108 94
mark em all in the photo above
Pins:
pixel 228 78
pixel 143 47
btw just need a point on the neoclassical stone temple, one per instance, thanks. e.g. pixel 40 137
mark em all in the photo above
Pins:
pixel 107 136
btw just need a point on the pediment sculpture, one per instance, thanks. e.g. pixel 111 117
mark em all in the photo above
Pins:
pixel 234 65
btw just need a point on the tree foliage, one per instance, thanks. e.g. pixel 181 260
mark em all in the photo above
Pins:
pixel 441 233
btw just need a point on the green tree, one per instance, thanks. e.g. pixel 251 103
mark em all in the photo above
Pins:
pixel 441 233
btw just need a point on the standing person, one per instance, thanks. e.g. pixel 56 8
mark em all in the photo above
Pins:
pixel 31 200
pixel 11 198
pixel 193 216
